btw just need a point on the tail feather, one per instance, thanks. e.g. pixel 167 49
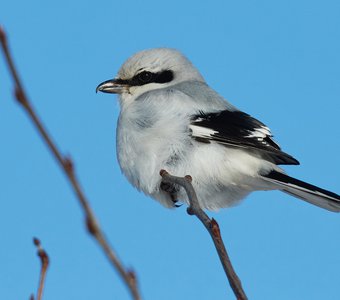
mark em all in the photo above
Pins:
pixel 305 191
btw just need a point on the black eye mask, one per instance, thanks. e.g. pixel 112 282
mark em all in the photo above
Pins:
pixel 146 77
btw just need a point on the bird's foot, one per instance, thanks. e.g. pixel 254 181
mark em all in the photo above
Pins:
pixel 172 190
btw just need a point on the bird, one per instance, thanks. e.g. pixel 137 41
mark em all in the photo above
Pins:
pixel 171 119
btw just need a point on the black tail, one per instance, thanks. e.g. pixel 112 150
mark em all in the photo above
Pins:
pixel 305 191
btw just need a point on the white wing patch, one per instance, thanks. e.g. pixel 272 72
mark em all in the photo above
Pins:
pixel 202 132
pixel 238 129
pixel 260 133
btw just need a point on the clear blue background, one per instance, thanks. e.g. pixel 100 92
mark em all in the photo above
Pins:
pixel 277 60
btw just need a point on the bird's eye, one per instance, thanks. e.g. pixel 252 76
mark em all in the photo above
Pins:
pixel 145 77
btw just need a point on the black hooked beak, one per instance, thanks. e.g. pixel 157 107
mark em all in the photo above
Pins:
pixel 112 86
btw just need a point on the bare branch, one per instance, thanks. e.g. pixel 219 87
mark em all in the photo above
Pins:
pixel 68 167
pixel 44 265
pixel 212 226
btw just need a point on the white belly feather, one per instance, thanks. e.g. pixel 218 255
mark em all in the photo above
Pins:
pixel 221 176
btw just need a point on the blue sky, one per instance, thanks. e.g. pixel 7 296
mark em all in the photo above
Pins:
pixel 278 61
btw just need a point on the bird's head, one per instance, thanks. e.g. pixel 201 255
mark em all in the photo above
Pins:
pixel 149 70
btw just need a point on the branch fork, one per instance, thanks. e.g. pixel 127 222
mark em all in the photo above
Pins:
pixel 213 228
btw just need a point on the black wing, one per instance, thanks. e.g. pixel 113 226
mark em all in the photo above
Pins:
pixel 238 129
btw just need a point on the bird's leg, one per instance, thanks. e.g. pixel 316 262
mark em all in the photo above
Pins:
pixel 171 189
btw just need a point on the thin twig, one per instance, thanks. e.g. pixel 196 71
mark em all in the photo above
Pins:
pixel 44 265
pixel 212 226
pixel 129 277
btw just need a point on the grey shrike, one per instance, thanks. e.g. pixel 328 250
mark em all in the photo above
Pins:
pixel 171 119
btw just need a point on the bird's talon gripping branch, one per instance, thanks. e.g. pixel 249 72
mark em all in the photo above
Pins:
pixel 171 189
